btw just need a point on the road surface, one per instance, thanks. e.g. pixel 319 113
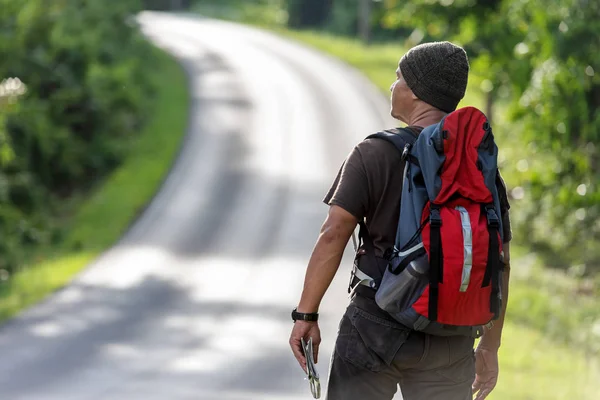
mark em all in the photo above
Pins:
pixel 194 302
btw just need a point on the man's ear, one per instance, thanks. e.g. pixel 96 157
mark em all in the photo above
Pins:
pixel 414 96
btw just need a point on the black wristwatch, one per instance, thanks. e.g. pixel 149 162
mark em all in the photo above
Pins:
pixel 298 316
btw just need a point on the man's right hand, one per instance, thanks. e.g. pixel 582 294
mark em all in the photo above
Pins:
pixel 486 370
pixel 306 330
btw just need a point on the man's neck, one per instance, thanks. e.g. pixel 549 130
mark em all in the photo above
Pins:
pixel 426 117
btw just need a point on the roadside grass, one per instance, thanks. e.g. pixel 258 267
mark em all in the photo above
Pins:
pixel 98 221
pixel 534 367
pixel 551 340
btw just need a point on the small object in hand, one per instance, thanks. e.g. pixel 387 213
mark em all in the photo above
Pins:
pixel 311 370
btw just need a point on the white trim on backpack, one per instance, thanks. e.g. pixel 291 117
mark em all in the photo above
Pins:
pixel 468 243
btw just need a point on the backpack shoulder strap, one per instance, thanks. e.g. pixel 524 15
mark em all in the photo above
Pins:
pixel 399 137
pixel 502 192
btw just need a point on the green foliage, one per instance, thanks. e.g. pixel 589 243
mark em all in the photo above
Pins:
pixel 88 93
pixel 119 199
pixel 558 109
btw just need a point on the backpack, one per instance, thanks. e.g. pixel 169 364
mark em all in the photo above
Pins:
pixel 443 275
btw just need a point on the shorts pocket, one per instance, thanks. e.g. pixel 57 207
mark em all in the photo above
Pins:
pixel 373 341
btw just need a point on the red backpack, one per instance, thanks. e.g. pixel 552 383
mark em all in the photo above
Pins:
pixel 444 273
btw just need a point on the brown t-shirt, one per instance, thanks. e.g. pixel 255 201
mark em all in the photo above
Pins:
pixel 369 186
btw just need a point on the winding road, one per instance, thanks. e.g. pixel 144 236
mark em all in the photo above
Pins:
pixel 194 302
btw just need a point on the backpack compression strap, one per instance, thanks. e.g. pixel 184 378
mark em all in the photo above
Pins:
pixel 436 261
pixel 492 270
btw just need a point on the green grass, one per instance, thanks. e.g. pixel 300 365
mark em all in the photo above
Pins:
pixel 105 215
pixel 532 367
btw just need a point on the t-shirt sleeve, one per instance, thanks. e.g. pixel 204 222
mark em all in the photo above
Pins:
pixel 504 208
pixel 350 189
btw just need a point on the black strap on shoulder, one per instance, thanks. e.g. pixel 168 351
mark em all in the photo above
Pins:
pixel 398 137
pixel 436 261
pixel 492 271
pixel 402 138
pixel 503 199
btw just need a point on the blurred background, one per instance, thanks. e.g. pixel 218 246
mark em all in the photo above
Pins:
pixel 92 116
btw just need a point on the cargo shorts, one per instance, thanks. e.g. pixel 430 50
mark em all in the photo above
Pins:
pixel 375 355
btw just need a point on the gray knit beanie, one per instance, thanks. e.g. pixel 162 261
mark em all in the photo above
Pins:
pixel 437 73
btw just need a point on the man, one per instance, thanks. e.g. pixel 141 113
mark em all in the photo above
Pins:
pixel 373 353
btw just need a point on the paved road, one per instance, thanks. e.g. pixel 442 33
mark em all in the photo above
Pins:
pixel 194 302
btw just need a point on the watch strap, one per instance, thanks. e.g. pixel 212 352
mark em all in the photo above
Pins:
pixel 298 316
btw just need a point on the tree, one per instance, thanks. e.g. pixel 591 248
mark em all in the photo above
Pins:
pixel 364 19
pixel 85 67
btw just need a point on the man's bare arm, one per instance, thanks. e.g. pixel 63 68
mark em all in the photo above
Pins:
pixel 492 337
pixel 326 257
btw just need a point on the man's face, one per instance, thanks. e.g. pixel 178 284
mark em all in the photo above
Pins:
pixel 402 99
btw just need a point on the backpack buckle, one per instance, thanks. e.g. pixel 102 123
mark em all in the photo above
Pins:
pixel 406 151
pixel 492 217
pixel 391 252
pixel 435 218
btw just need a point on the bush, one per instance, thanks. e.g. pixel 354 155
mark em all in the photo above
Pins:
pixel 87 95
pixel 557 107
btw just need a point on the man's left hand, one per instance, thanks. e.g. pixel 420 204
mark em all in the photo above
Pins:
pixel 486 369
